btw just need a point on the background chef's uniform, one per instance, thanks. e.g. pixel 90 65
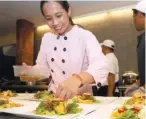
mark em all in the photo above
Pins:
pixel 77 51
pixel 113 68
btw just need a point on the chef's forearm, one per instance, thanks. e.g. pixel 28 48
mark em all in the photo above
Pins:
pixel 86 78
pixel 111 84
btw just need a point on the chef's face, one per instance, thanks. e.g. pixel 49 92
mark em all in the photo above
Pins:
pixel 139 20
pixel 103 49
pixel 57 17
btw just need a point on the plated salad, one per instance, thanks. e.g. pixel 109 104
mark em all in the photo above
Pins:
pixel 6 103
pixel 136 99
pixel 57 107
pixel 85 98
pixel 7 94
pixel 126 113
pixel 44 95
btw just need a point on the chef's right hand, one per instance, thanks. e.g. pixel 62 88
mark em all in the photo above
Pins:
pixel 68 88
pixel 85 89
pixel 129 91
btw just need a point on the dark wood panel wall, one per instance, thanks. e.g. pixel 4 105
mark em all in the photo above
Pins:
pixel 25 42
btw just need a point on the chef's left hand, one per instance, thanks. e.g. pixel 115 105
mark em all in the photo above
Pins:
pixel 68 88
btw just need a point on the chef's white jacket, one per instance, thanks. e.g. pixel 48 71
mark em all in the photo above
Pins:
pixel 77 51
pixel 113 66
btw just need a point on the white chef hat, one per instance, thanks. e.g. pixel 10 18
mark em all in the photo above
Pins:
pixel 109 43
pixel 141 6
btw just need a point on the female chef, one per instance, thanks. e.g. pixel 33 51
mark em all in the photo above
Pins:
pixel 72 54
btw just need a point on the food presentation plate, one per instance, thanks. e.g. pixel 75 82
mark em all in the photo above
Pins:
pixel 26 96
pixel 26 111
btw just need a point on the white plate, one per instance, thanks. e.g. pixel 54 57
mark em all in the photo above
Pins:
pixel 120 100
pixel 25 96
pixel 102 113
pixel 103 110
pixel 26 104
pixel 106 100
pixel 22 102
pixel 30 97
pixel 103 100
pixel 26 111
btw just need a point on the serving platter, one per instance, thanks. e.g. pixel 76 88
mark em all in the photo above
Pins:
pixel 27 111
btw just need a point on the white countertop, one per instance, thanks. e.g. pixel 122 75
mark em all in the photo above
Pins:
pixel 103 110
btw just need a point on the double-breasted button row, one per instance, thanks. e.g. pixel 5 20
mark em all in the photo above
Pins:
pixel 52 70
pixel 55 48
pixel 65 38
pixel 63 61
pixel 64 49
pixel 63 72
pixel 52 59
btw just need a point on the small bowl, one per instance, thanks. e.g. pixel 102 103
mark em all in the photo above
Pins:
pixel 19 69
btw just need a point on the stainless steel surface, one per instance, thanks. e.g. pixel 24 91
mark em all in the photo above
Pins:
pixel 129 77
